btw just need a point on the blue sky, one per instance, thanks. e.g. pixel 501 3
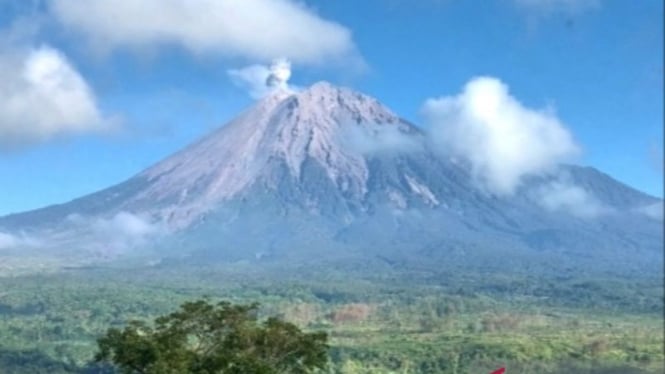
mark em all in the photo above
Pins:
pixel 141 94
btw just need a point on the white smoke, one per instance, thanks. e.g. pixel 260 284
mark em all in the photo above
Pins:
pixel 280 72
pixel 261 80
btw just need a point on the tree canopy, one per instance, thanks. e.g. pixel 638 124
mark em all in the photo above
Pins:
pixel 205 338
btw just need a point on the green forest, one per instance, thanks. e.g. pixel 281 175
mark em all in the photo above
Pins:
pixel 415 322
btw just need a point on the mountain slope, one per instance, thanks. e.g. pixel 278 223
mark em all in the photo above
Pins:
pixel 328 174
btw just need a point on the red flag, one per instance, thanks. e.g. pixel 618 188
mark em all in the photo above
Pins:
pixel 500 371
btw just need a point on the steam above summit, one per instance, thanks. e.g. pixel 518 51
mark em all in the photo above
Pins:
pixel 260 81
pixel 280 72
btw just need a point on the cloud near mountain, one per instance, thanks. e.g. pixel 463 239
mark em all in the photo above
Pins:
pixel 654 211
pixel 11 241
pixel 7 240
pixel 119 231
pixel 380 140
pixel 501 138
pixel 566 197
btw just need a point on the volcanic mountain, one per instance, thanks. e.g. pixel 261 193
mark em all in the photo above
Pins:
pixel 330 175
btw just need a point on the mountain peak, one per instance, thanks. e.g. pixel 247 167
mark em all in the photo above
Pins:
pixel 342 104
pixel 323 86
pixel 284 131
pixel 328 99
pixel 325 89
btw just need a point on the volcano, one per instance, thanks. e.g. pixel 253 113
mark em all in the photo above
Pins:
pixel 330 175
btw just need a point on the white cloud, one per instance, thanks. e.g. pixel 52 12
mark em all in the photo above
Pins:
pixel 254 29
pixel 260 80
pixel 120 230
pixel 369 140
pixel 654 211
pixel 125 226
pixel 501 138
pixel 9 241
pixel 566 197
pixel 569 7
pixel 42 96
pixel 117 233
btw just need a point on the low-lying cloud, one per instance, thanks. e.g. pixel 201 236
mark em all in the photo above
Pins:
pixel 253 29
pixel 501 138
pixel 42 96
pixel 120 231
pixel 371 140
pixel 11 241
pixel 654 211
pixel 126 225
pixel 8 241
pixel 569 198
pixel 260 80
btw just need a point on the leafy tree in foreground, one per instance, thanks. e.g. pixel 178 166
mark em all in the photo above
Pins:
pixel 204 338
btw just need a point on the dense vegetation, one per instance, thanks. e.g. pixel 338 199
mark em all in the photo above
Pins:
pixel 412 322
pixel 204 338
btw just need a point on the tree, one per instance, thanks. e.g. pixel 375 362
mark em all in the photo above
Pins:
pixel 204 338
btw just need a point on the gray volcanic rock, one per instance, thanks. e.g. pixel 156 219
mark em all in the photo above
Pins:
pixel 328 174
